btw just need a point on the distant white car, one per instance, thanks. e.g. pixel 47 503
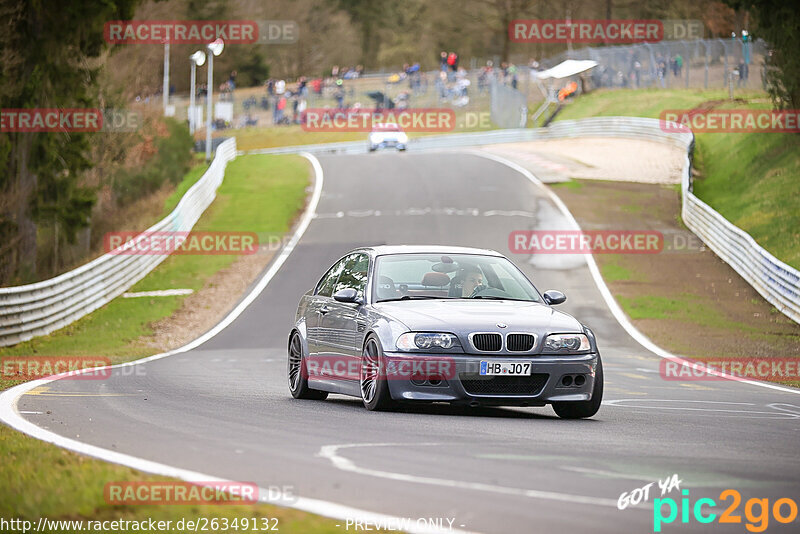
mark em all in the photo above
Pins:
pixel 387 135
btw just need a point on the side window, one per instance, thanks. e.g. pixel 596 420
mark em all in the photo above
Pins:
pixel 327 283
pixel 354 274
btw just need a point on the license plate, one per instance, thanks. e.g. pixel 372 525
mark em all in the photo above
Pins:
pixel 505 368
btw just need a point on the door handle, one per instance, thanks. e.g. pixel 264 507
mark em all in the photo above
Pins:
pixel 324 309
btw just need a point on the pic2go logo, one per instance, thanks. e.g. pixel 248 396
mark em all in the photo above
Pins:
pixel 756 511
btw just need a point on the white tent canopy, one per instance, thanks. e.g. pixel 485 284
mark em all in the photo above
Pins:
pixel 565 69
pixel 568 68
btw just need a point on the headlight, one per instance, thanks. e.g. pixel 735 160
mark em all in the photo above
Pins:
pixel 566 343
pixel 425 340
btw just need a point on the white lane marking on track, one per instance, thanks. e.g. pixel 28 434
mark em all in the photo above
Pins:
pixel 606 474
pixel 780 414
pixel 790 408
pixel 412 212
pixel 510 213
pixel 612 304
pixel 331 452
pixel 11 416
pixel 158 293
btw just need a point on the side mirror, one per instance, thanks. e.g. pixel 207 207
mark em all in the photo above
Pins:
pixel 553 297
pixel 346 295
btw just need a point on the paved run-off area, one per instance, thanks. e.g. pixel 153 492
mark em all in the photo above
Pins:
pixel 223 408
pixel 632 185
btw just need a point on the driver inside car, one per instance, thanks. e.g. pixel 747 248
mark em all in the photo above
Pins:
pixel 466 282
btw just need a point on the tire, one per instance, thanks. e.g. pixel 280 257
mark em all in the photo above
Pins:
pixel 584 409
pixel 374 387
pixel 298 376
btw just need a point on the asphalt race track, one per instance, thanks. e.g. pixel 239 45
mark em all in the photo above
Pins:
pixel 224 408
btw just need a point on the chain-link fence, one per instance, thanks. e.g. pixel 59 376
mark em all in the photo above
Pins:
pixel 255 106
pixel 703 63
pixel 509 107
pixel 706 63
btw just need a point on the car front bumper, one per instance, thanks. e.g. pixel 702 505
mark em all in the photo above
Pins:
pixel 387 144
pixel 461 382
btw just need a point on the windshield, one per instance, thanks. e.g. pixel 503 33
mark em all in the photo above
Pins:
pixel 451 276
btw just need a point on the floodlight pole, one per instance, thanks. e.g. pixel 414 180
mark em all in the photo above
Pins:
pixel 166 77
pixel 212 49
pixel 191 96
pixel 209 98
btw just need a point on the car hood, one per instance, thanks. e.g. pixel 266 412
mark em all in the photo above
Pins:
pixel 465 316
pixel 379 137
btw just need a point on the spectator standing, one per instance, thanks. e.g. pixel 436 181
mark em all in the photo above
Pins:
pixel 744 72
pixel 277 112
pixel 339 94
pixel 452 61
pixel 280 106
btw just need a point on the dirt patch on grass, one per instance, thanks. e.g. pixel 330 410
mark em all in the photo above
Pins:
pixel 684 298
pixel 203 309
pixel 599 158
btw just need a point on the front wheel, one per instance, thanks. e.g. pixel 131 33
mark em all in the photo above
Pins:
pixel 298 375
pixel 374 388
pixel 583 409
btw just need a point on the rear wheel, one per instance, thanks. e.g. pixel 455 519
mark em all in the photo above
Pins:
pixel 583 409
pixel 374 388
pixel 298 376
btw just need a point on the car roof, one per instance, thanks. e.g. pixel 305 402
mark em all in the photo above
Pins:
pixel 383 250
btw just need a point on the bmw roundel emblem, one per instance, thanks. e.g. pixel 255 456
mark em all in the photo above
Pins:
pixel 501 325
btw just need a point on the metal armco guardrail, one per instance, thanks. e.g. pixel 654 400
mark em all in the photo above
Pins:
pixel 38 309
pixel 776 281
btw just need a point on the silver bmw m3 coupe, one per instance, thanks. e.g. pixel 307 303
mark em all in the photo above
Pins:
pixel 393 324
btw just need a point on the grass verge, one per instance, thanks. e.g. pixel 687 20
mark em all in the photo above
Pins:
pixel 685 288
pixel 42 480
pixel 277 136
pixel 750 178
pixel 260 194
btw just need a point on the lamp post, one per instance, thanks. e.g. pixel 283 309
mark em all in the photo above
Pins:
pixel 214 49
pixel 165 88
pixel 197 59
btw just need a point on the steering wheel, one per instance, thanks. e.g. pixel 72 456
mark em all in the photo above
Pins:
pixel 477 290
pixel 483 291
